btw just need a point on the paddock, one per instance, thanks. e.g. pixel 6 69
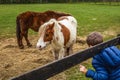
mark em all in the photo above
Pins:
pixel 90 17
pixel 15 61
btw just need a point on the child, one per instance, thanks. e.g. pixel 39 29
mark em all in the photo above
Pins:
pixel 106 64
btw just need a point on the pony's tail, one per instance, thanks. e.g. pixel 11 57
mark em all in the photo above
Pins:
pixel 18 30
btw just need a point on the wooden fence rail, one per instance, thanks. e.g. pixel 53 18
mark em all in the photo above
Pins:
pixel 61 65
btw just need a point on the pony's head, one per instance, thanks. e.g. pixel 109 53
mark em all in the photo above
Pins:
pixel 46 33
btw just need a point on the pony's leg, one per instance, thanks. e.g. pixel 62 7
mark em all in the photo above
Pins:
pixel 20 43
pixel 61 53
pixel 55 54
pixel 26 38
pixel 19 35
pixel 69 51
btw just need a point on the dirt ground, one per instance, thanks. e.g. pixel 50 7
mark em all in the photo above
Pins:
pixel 15 61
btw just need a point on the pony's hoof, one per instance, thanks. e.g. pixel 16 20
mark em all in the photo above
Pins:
pixel 29 45
pixel 21 47
pixel 118 35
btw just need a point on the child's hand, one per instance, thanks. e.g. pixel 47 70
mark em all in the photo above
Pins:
pixel 83 69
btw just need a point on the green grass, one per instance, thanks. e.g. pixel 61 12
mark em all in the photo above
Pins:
pixel 90 18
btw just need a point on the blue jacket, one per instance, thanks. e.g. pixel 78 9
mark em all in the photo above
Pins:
pixel 106 65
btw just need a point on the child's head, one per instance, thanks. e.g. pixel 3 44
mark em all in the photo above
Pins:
pixel 94 38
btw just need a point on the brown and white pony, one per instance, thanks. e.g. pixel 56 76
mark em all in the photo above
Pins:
pixel 32 20
pixel 60 33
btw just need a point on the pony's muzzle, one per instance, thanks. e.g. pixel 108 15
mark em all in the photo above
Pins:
pixel 40 47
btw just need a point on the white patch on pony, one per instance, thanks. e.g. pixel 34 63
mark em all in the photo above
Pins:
pixel 72 28
pixel 41 44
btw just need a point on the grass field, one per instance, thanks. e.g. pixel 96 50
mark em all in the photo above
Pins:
pixel 90 18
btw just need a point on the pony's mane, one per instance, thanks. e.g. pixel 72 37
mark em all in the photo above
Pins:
pixel 56 23
pixel 51 21
pixel 42 27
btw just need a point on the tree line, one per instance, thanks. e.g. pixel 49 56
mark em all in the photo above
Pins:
pixel 35 1
pixel 52 1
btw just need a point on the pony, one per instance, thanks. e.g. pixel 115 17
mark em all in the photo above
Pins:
pixel 32 20
pixel 61 34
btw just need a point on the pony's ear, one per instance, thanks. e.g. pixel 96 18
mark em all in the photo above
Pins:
pixel 53 24
pixel 52 27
